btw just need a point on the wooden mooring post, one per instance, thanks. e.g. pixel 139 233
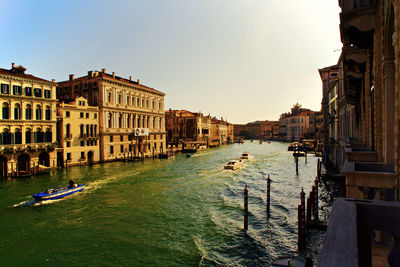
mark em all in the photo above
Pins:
pixel 296 159
pixel 268 194
pixel 305 156
pixel 301 224
pixel 246 207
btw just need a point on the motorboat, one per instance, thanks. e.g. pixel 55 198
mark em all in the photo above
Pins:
pixel 57 193
pixel 292 261
pixel 23 173
pixel 233 164
pixel 44 169
pixel 245 155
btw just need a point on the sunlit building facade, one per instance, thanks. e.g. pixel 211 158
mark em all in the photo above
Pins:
pixel 131 115
pixel 27 122
pixel 78 133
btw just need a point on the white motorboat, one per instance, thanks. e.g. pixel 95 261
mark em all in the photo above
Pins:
pixel 245 155
pixel 233 164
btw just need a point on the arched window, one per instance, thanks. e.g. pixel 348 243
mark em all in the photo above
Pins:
pixel 109 120
pixel 17 136
pixel 17 111
pixel 120 120
pixel 6 111
pixel 38 112
pixel 81 127
pixel 95 130
pixel 128 122
pixel 87 129
pixel 7 138
pixel 28 136
pixel 48 136
pixel 38 136
pixel 47 113
pixel 91 130
pixel 28 112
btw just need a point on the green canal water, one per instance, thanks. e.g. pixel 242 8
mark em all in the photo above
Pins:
pixel 177 212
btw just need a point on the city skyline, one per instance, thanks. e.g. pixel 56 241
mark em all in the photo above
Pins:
pixel 237 60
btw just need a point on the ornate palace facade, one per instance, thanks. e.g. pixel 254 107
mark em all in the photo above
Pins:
pixel 28 121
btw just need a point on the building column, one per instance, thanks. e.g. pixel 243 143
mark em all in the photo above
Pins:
pixel 388 79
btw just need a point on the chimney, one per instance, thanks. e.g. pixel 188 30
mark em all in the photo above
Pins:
pixel 138 81
pixel 71 77
pixel 130 78
pixel 12 65
pixel 113 74
pixel 90 73
pixel 53 81
pixel 103 70
pixel 96 73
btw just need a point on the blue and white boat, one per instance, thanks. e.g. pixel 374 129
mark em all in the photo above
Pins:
pixel 58 193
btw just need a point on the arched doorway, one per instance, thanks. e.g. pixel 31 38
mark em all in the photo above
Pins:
pixel 3 166
pixel 44 159
pixel 90 157
pixel 23 162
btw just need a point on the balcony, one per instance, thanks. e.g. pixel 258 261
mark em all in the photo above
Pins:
pixel 28 147
pixel 360 233
pixel 357 22
pixel 68 136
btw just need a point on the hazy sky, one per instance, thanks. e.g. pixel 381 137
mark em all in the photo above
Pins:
pixel 243 60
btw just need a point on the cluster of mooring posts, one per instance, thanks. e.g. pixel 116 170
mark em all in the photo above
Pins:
pixel 308 216
pixel 246 203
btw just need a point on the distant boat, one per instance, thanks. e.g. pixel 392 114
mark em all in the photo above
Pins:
pixel 245 155
pixel 44 169
pixel 23 174
pixel 233 164
pixel 291 261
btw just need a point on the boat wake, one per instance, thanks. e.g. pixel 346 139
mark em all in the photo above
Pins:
pixel 33 202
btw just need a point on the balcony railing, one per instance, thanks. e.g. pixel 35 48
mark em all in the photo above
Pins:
pixel 27 147
pixel 362 233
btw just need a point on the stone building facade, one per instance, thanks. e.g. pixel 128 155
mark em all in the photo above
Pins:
pixel 367 113
pixel 78 133
pixel 185 126
pixel 28 121
pixel 295 125
pixel 131 115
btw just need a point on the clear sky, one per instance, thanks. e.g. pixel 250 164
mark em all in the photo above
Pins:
pixel 243 60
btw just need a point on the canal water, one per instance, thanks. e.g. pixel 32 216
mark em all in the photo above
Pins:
pixel 177 212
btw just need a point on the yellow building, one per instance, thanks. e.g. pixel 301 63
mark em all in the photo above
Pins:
pixel 131 115
pixel 78 133
pixel 28 122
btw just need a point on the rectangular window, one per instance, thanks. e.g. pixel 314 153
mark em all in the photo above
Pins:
pixel 67 114
pixel 28 91
pixel 82 155
pixel 38 92
pixel 17 90
pixel 68 144
pixel 85 85
pixel 47 94
pixel 95 84
pixel 82 143
pixel 81 115
pixel 5 88
pixel 111 150
pixel 87 115
pixel 47 114
pixel 68 156
pixel 88 143
pixel 111 138
pixel 109 97
pixel 95 115
pixel 122 148
pixel 121 138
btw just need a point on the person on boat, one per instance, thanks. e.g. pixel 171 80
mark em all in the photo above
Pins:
pixel 48 191
pixel 71 184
